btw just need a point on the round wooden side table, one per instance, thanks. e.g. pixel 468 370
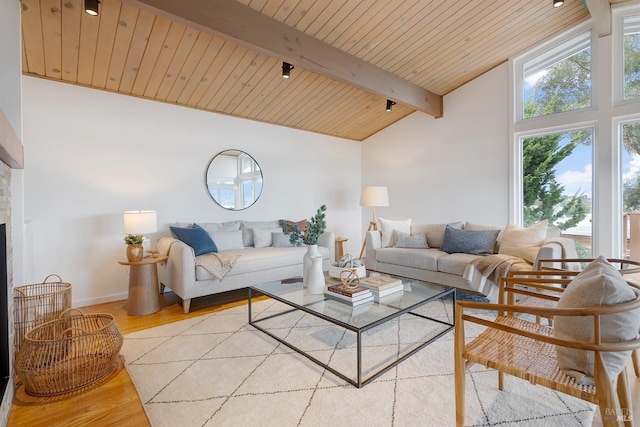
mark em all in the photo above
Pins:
pixel 144 292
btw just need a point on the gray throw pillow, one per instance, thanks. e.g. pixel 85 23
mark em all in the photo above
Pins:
pixel 281 240
pixel 476 242
pixel 419 241
pixel 600 283
pixel 248 226
pixel 262 237
pixel 227 240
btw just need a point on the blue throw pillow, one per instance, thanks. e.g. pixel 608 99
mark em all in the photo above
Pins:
pixel 475 242
pixel 196 237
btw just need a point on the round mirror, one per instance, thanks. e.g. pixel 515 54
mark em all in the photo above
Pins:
pixel 234 180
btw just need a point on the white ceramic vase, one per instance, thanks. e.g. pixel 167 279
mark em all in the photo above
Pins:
pixel 315 276
pixel 312 251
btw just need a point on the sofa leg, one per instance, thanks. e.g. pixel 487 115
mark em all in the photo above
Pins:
pixel 186 303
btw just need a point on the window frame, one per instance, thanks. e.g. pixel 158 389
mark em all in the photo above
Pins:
pixel 542 49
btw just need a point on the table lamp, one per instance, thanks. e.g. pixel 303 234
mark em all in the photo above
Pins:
pixel 141 223
pixel 373 196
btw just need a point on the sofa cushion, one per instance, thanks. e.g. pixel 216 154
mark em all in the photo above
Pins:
pixel 598 284
pixel 388 226
pixel 434 232
pixel 426 259
pixel 472 226
pixel 262 236
pixel 299 224
pixel 263 259
pixel 247 233
pixel 227 240
pixel 455 263
pixel 516 239
pixel 403 240
pixel 281 240
pixel 220 226
pixel 196 237
pixel 468 241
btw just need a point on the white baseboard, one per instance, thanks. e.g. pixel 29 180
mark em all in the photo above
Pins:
pixel 101 300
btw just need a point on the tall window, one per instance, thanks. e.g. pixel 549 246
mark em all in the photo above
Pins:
pixel 630 144
pixel 558 80
pixel 631 56
pixel 557 183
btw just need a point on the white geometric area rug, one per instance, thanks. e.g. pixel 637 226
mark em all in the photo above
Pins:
pixel 216 370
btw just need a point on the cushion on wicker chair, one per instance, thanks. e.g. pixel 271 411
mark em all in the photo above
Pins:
pixel 599 283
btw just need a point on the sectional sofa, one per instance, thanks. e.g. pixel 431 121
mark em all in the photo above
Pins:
pixel 417 252
pixel 260 251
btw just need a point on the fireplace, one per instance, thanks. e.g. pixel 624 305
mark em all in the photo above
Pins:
pixel 5 344
pixel 11 156
pixel 5 349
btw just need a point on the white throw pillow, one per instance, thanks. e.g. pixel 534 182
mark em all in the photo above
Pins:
pixel 598 284
pixel 262 236
pixel 388 225
pixel 227 240
pixel 515 240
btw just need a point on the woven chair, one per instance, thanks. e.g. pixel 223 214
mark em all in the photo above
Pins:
pixel 548 268
pixel 516 344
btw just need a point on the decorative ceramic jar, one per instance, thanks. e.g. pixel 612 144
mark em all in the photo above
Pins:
pixel 315 276
pixel 135 252
pixel 312 251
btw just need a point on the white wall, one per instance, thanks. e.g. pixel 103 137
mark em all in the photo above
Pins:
pixel 90 155
pixel 10 65
pixel 450 169
pixel 10 104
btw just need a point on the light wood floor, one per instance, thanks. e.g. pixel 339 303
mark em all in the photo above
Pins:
pixel 114 400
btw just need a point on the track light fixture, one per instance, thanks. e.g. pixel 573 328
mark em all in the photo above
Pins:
pixel 558 3
pixel 390 104
pixel 91 7
pixel 286 70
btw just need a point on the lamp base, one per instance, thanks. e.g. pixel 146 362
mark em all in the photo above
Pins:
pixel 373 226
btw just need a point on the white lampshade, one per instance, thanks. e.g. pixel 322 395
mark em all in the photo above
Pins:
pixel 140 222
pixel 374 196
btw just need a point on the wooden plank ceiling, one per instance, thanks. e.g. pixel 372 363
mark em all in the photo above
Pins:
pixel 438 45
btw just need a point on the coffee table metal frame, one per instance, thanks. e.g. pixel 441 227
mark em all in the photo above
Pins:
pixel 307 308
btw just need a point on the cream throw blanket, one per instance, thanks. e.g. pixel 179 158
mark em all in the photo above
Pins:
pixel 216 264
pixel 486 271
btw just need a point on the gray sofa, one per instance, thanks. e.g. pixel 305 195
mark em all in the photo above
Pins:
pixel 434 265
pixel 254 265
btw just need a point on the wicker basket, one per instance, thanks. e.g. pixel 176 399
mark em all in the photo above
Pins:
pixel 36 304
pixel 68 353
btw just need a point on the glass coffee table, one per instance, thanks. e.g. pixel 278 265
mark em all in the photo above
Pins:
pixel 332 333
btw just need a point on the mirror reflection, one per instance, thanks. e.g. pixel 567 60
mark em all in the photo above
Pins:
pixel 234 180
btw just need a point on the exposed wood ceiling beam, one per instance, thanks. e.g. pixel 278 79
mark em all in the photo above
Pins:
pixel 243 25
pixel 600 11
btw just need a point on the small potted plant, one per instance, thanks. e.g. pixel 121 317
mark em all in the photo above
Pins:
pixel 135 250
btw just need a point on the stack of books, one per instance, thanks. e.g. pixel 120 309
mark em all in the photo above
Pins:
pixel 382 286
pixel 352 296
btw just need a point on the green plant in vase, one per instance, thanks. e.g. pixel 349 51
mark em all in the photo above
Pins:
pixel 312 229
pixel 134 239
pixel 312 276
pixel 135 251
